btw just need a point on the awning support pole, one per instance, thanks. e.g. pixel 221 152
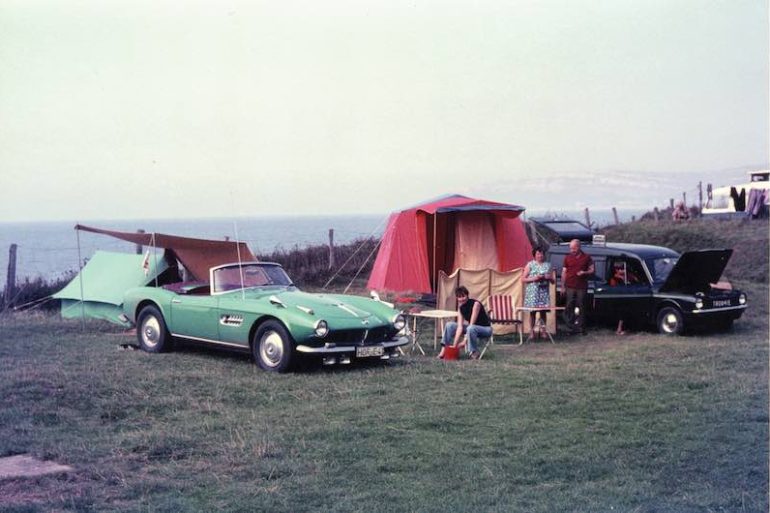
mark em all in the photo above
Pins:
pixel 80 275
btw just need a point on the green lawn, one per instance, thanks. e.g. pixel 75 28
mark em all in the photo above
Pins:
pixel 639 423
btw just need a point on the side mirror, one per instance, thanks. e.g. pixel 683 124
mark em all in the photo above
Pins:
pixel 373 294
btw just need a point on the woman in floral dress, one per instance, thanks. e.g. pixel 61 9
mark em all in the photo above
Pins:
pixel 538 276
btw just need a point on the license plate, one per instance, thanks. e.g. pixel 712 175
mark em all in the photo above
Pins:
pixel 721 302
pixel 364 352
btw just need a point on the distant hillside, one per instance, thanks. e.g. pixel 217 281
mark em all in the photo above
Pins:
pixel 748 239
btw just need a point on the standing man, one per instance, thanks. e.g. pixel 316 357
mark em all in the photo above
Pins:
pixel 578 267
pixel 472 319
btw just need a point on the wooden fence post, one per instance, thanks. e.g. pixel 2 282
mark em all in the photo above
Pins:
pixel 615 215
pixel 139 246
pixel 700 197
pixel 10 281
pixel 332 263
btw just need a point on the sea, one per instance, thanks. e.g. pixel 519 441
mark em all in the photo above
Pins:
pixel 54 250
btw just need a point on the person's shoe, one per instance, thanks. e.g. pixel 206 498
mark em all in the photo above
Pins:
pixel 441 353
pixel 475 355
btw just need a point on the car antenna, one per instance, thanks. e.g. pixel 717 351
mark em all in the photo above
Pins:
pixel 240 263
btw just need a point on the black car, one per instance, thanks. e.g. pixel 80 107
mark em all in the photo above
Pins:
pixel 657 286
pixel 563 229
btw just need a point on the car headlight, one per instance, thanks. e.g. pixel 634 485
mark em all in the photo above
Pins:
pixel 399 321
pixel 742 299
pixel 698 304
pixel 321 328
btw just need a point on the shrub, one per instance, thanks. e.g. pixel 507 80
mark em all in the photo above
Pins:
pixel 32 293
pixel 309 266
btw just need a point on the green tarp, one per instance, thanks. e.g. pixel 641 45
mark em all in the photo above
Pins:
pixel 106 277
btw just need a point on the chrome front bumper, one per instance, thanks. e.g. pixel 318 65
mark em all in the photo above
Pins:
pixel 331 348
pixel 720 310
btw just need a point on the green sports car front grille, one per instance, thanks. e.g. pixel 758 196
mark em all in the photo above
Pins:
pixel 361 336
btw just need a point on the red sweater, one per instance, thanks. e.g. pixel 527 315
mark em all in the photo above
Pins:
pixel 573 264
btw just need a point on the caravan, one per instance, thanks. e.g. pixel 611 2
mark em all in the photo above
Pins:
pixel 747 199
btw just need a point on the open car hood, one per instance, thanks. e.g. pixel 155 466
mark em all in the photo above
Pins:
pixel 695 271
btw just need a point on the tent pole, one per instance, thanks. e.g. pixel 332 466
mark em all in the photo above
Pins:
pixel 154 258
pixel 80 273
pixel 435 271
pixel 489 284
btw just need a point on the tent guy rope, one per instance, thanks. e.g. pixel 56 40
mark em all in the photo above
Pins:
pixel 370 237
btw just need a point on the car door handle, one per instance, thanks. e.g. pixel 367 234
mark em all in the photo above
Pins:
pixel 599 290
pixel 176 300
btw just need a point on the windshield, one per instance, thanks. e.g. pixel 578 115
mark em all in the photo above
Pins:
pixel 660 268
pixel 568 226
pixel 251 275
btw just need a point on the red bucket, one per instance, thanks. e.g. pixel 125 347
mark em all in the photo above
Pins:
pixel 451 353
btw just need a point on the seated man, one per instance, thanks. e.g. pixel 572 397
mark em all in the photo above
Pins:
pixel 472 319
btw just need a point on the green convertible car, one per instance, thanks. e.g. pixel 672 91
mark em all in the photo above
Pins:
pixel 254 307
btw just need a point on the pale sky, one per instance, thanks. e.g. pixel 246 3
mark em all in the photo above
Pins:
pixel 169 109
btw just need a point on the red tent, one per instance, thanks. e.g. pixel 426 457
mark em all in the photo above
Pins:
pixel 447 234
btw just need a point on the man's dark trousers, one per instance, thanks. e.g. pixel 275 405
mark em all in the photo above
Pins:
pixel 575 298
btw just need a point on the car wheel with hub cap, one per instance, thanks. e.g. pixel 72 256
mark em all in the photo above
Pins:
pixel 670 321
pixel 151 330
pixel 273 347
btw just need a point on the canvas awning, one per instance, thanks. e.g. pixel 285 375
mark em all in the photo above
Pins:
pixel 196 255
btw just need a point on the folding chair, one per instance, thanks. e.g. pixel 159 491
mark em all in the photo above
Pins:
pixel 502 311
pixel 489 341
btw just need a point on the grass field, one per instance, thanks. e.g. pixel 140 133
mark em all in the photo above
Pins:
pixel 640 423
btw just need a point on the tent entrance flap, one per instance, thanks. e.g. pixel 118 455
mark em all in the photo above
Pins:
pixel 475 246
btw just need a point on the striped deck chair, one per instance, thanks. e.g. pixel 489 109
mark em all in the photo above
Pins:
pixel 502 311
